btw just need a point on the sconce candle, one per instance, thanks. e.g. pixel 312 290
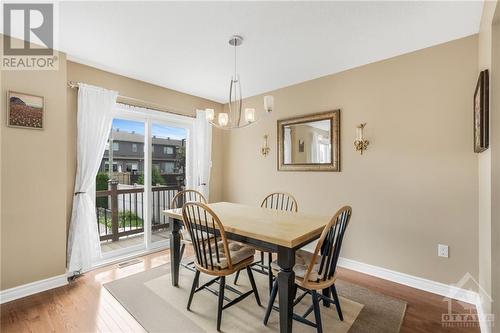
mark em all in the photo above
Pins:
pixel 359 133
pixel 360 144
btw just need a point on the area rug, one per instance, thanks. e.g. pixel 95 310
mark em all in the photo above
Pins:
pixel 159 307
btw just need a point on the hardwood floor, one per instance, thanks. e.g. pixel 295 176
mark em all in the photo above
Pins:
pixel 85 306
pixel 424 310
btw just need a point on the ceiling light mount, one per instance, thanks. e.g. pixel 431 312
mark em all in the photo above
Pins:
pixel 235 40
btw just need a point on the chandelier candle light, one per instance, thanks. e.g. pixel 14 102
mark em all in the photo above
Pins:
pixel 235 117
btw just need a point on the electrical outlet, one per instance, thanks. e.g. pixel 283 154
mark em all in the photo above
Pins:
pixel 443 250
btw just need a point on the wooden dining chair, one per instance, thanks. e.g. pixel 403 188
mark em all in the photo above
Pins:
pixel 278 201
pixel 317 271
pixel 216 256
pixel 177 202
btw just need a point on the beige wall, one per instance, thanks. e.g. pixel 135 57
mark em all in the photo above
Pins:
pixel 155 95
pixel 495 167
pixel 415 187
pixel 484 163
pixel 33 188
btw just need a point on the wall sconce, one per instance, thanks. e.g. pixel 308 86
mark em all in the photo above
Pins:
pixel 264 150
pixel 360 143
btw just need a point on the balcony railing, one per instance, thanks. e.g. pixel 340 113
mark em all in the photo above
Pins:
pixel 120 211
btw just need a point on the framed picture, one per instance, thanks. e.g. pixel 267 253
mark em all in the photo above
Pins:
pixel 481 113
pixel 25 110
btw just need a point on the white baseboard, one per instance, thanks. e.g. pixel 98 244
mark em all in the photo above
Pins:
pixel 411 281
pixel 28 289
pixel 422 284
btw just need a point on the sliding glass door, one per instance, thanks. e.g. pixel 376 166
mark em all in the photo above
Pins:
pixel 168 176
pixel 142 169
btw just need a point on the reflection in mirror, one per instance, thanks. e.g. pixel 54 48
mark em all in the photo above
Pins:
pixel 307 143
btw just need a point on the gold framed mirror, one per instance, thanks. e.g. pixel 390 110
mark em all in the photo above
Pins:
pixel 309 142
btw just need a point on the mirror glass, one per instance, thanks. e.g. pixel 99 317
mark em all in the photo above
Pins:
pixel 307 142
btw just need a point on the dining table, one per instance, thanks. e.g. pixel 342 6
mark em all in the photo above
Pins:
pixel 270 230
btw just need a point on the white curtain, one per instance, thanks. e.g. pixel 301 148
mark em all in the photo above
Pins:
pixel 315 151
pixel 287 146
pixel 95 116
pixel 202 155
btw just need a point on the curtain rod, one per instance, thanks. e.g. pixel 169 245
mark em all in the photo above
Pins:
pixel 146 104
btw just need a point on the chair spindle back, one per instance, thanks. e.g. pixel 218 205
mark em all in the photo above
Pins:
pixel 329 245
pixel 206 231
pixel 186 196
pixel 280 201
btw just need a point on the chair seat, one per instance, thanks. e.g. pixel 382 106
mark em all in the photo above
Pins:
pixel 186 236
pixel 238 253
pixel 302 260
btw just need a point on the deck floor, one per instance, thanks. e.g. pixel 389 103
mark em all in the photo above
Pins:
pixel 125 242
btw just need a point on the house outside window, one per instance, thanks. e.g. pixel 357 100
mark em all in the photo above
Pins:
pixel 167 167
pixel 106 166
pixel 134 147
pixel 116 146
pixel 168 150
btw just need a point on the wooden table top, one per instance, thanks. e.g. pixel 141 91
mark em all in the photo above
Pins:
pixel 273 226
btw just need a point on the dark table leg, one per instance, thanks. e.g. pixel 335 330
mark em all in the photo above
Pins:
pixel 175 250
pixel 286 283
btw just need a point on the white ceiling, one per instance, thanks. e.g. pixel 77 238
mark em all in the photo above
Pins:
pixel 183 45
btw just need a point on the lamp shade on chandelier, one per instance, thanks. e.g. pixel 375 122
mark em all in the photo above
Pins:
pixel 236 116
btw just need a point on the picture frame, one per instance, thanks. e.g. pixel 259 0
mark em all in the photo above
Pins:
pixel 25 110
pixel 287 160
pixel 481 113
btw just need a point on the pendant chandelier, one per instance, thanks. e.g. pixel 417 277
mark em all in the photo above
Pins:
pixel 235 116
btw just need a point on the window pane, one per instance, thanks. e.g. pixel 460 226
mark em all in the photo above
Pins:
pixel 127 172
pixel 168 162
